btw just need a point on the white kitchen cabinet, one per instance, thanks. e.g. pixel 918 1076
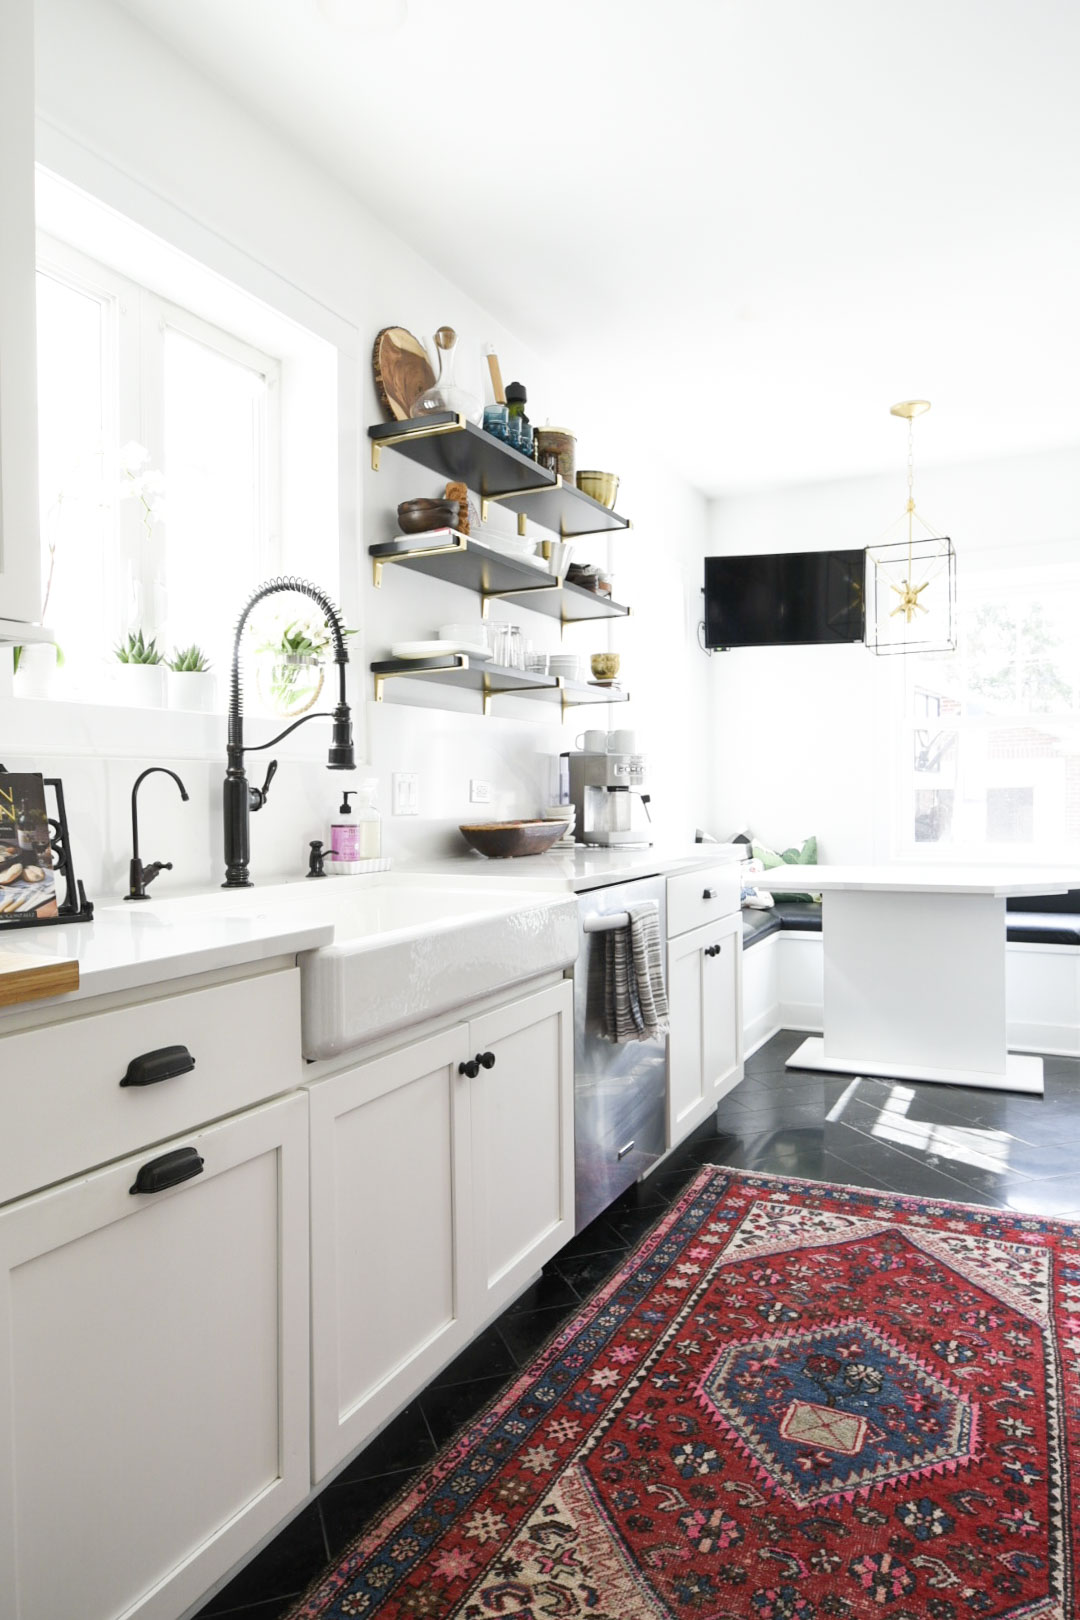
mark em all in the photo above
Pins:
pixel 440 1183
pixel 522 1139
pixel 705 1043
pixel 153 1373
pixel 392 1299
pixel 20 559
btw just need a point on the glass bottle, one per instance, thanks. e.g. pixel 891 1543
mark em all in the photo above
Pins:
pixel 446 394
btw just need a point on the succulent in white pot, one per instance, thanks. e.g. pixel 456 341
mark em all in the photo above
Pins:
pixel 141 675
pixel 190 680
pixel 35 669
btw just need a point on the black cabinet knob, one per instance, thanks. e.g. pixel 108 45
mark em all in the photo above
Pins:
pixel 486 1060
pixel 712 950
pixel 471 1068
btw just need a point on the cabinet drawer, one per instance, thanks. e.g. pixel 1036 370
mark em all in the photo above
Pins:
pixel 696 898
pixel 61 1098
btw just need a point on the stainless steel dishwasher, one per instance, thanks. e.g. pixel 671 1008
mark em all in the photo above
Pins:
pixel 620 1091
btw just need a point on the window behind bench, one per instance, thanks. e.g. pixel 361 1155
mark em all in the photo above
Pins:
pixel 991 744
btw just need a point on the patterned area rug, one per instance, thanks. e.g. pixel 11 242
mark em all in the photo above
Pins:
pixel 793 1401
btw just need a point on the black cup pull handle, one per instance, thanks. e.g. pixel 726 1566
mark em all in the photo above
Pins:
pixel 486 1060
pixel 156 1175
pixel 163 1064
pixel 471 1068
pixel 709 894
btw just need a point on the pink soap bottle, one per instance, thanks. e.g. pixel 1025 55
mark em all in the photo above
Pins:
pixel 356 835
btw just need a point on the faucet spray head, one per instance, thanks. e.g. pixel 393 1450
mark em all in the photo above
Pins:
pixel 342 754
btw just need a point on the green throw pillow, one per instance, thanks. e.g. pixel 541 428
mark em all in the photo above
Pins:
pixel 770 858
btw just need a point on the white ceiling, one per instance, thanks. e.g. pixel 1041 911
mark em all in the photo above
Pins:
pixel 759 221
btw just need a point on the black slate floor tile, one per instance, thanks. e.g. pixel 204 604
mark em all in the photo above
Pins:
pixel 585 1272
pixel 282 1570
pixel 404 1443
pixel 347 1509
pixel 550 1290
pixel 529 1331
pixel 273 1610
pixel 486 1357
pixel 450 1407
pixel 595 1238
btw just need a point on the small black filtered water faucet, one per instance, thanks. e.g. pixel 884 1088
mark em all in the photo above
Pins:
pixel 139 876
pixel 240 798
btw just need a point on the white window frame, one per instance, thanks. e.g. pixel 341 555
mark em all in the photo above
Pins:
pixel 135 320
pixel 987 581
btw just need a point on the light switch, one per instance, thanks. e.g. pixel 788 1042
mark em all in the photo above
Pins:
pixel 405 790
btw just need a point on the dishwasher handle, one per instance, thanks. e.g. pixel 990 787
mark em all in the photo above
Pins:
pixel 599 923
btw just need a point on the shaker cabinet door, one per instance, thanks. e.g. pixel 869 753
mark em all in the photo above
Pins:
pixel 20 557
pixel 705 1044
pixel 154 1371
pixel 390 1234
pixel 522 1139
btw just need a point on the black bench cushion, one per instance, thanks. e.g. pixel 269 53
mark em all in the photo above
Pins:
pixel 1044 927
pixel 758 925
pixel 1067 903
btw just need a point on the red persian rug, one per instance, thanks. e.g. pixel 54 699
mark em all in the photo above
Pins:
pixel 793 1401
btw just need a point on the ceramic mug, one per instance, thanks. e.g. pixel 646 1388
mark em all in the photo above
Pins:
pixel 592 742
pixel 622 742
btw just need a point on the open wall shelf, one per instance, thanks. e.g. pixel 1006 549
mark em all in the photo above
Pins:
pixel 461 452
pixel 461 560
pixel 491 681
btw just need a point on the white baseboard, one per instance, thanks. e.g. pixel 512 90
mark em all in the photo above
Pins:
pixel 760 1029
pixel 1049 1040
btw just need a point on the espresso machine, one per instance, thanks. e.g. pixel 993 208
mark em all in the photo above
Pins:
pixel 603 790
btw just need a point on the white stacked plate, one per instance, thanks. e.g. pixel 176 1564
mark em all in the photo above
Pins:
pixel 571 666
pixel 512 545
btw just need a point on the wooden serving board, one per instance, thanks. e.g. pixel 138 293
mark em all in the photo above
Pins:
pixel 25 976
pixel 402 371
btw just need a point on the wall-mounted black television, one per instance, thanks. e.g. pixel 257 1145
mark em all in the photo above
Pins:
pixel 785 599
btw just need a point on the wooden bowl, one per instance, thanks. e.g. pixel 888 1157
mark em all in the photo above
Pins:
pixel 498 840
pixel 417 517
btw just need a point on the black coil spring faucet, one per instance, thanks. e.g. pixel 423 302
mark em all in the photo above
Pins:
pixel 240 797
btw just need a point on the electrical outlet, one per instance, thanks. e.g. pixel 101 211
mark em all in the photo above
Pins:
pixel 479 792
pixel 405 788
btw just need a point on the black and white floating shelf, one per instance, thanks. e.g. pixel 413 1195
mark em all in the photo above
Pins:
pixel 492 681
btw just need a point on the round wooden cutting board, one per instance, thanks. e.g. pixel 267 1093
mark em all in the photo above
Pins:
pixel 402 371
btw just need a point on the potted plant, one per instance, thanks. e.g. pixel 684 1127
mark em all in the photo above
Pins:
pixel 290 674
pixel 190 681
pixel 143 678
pixel 34 667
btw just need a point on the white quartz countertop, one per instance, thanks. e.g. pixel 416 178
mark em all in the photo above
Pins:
pixel 574 870
pixel 998 881
pixel 125 948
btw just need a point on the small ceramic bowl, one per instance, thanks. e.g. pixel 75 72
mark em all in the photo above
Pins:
pixel 602 486
pixel 501 839
pixel 417 517
pixel 605 665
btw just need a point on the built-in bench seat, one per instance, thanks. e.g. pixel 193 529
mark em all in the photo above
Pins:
pixel 1052 919
pixel 783 982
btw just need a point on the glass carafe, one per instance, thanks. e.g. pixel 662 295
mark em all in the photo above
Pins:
pixel 446 394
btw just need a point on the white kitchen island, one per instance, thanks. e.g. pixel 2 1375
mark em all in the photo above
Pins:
pixel 915 973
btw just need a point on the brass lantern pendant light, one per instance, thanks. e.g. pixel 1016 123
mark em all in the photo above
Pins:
pixel 911 583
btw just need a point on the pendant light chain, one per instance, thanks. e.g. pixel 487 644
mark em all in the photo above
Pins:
pixel 910 486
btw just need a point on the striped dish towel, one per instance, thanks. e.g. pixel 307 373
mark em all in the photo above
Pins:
pixel 635 1001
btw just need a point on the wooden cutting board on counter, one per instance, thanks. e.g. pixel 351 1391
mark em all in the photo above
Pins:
pixel 25 976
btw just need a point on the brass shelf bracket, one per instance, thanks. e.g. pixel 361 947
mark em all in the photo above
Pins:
pixel 414 675
pixel 583 534
pixel 435 432
pixel 511 494
pixel 487 597
pixel 459 543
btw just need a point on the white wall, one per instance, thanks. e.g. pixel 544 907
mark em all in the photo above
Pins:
pixel 809 732
pixel 124 118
